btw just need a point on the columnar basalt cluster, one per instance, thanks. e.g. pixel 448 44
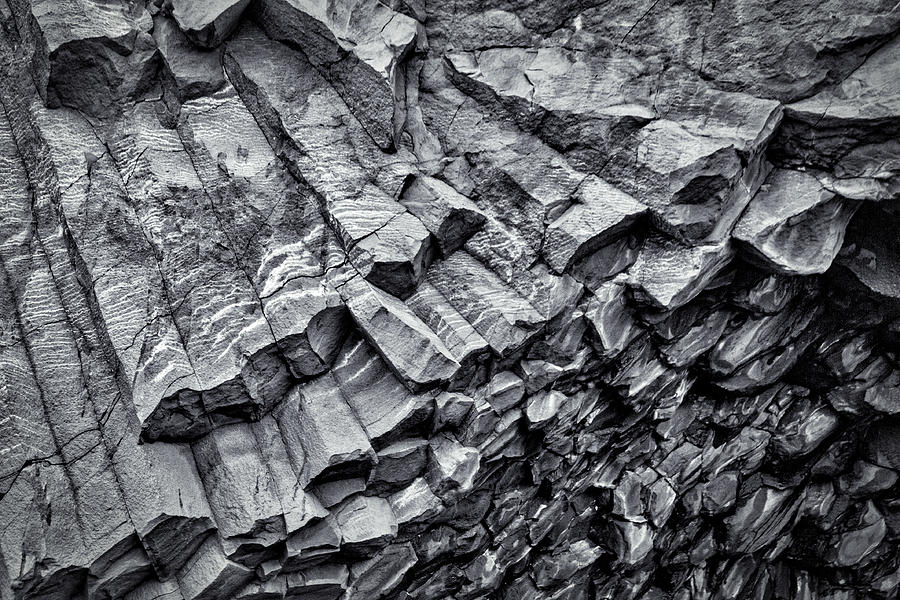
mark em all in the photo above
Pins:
pixel 431 299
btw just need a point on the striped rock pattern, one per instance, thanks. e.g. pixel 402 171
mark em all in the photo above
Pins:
pixel 403 300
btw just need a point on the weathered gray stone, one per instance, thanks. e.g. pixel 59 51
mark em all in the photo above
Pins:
pixel 208 573
pixel 90 55
pixel 208 22
pixel 448 215
pixel 793 224
pixel 668 274
pixel 760 519
pixel 452 467
pixel 381 574
pixel 358 46
pixel 323 436
pixel 367 524
pixel 415 505
pixel 313 544
pixel 803 428
pixel 384 407
pixel 600 213
pixel 195 72
pixel 413 351
pixel 337 311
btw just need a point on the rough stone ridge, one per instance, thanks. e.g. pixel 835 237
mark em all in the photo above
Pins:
pixel 395 300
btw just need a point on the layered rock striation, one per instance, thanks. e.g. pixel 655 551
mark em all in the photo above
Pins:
pixel 417 300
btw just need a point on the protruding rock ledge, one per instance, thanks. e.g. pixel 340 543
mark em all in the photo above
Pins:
pixel 359 47
pixel 794 225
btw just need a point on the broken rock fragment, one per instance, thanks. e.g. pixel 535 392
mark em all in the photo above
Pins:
pixel 367 524
pixel 601 213
pixel 359 46
pixel 89 54
pixel 208 22
pixel 322 434
pixel 793 224
pixel 196 72
pixel 413 351
pixel 448 215
pixel 668 274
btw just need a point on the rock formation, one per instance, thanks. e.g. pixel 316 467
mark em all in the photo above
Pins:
pixel 408 299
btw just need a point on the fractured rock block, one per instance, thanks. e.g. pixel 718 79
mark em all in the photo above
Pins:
pixel 869 253
pixel 208 22
pixel 411 349
pixel 793 225
pixel 464 343
pixel 313 544
pixel 611 318
pixel 387 244
pixel 395 256
pixel 240 489
pixel 182 516
pixel 381 574
pixel 502 317
pixel 452 467
pixel 668 274
pixel 399 464
pixel 91 55
pixel 367 524
pixel 299 508
pixel 323 437
pixel 328 582
pixel 601 213
pixel 359 46
pixel 415 505
pixel 686 151
pixel 448 215
pixel 196 72
pixel 385 408
pixel 759 519
pixel 119 571
pixel 209 574
pixel 803 427
pixel 859 110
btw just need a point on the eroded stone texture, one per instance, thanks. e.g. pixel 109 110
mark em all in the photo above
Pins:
pixel 794 224
pixel 359 46
pixel 88 54
pixel 391 300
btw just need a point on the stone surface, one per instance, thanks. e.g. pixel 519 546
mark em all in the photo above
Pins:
pixel 793 224
pixel 448 215
pixel 208 22
pixel 197 72
pixel 91 55
pixel 449 300
pixel 359 46
pixel 599 215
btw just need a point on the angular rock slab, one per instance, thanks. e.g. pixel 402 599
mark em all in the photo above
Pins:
pixel 870 251
pixel 448 215
pixel 386 243
pixel 324 439
pixel 196 72
pixel 359 46
pixel 411 349
pixel 601 213
pixel 89 54
pixel 208 22
pixel 793 224
pixel 861 110
pixel 668 274
pixel 687 151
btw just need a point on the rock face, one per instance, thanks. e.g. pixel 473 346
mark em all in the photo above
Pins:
pixel 396 299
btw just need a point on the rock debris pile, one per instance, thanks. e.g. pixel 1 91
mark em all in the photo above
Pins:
pixel 415 299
